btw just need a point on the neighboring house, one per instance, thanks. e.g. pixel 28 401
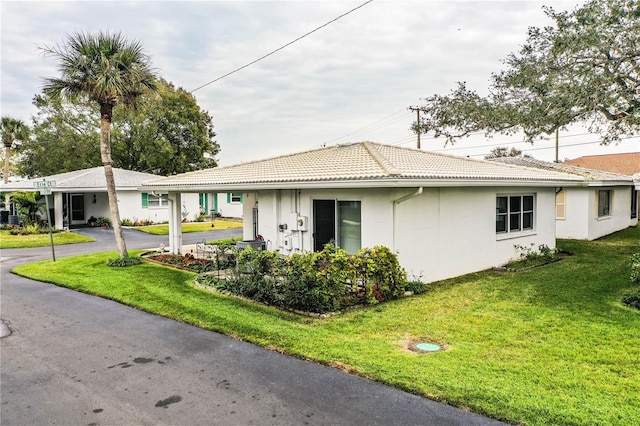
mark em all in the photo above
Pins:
pixel 624 164
pixel 82 194
pixel 227 204
pixel 444 215
pixel 605 203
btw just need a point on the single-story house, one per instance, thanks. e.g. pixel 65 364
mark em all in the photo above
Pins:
pixel 444 215
pixel 605 203
pixel 81 195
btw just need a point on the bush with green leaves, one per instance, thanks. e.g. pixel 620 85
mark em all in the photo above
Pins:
pixel 635 267
pixel 124 261
pixel 325 281
pixel 633 298
pixel 416 287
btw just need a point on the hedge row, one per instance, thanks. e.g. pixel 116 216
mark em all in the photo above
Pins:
pixel 326 281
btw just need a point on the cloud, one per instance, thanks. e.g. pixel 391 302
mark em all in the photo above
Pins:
pixel 372 63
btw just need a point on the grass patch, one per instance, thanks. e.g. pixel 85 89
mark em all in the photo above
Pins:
pixel 8 241
pixel 550 345
pixel 225 241
pixel 193 226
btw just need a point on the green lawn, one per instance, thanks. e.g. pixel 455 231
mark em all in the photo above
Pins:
pixel 193 226
pixel 550 345
pixel 40 240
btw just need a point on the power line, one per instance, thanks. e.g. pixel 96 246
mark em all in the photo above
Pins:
pixel 383 122
pixel 282 47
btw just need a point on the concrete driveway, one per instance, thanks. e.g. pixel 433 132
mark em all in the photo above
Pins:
pixel 73 359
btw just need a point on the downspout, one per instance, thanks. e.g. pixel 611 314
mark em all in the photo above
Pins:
pixel 395 203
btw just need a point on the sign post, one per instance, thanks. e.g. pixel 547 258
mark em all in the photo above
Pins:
pixel 45 189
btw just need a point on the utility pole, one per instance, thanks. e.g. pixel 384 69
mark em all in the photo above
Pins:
pixel 417 110
pixel 557 145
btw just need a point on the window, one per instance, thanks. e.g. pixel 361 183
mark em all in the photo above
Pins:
pixel 514 213
pixel 337 222
pixel 154 201
pixel 604 203
pixel 634 203
pixel 561 205
pixel 234 197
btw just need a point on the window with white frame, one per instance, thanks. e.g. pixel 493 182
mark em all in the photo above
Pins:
pixel 154 200
pixel 234 197
pixel 514 213
pixel 604 202
pixel 561 205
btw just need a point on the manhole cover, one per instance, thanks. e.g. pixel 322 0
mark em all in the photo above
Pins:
pixel 428 347
pixel 424 347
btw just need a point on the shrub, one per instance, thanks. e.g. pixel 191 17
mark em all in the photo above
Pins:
pixel 530 257
pixel 127 222
pixel 416 287
pixel 104 221
pixel 320 282
pixel 124 261
pixel 635 267
pixel 632 299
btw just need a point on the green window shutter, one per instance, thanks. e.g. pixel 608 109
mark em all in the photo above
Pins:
pixel 145 200
pixel 228 198
pixel 215 202
pixel 201 199
pixel 241 196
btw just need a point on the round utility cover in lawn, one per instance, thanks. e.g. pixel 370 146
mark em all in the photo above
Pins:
pixel 428 347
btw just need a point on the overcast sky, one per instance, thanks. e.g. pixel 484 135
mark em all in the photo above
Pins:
pixel 351 80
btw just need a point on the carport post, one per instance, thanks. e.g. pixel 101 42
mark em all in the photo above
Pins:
pixel 175 222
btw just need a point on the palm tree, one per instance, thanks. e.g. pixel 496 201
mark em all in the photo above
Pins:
pixel 12 130
pixel 108 69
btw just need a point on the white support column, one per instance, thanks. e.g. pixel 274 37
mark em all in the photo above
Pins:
pixel 175 222
pixel 59 210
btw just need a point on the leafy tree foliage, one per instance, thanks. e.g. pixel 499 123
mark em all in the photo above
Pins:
pixel 164 135
pixel 109 70
pixel 12 130
pixel 503 151
pixel 584 69
pixel 65 138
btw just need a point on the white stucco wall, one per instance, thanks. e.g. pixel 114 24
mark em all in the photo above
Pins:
pixel 442 233
pixel 575 225
pixel 582 221
pixel 620 213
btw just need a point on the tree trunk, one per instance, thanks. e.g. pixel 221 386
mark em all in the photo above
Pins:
pixel 7 153
pixel 105 153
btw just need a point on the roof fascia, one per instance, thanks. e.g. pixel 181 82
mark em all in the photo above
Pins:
pixel 359 184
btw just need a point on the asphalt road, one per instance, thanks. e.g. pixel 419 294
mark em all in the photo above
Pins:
pixel 76 359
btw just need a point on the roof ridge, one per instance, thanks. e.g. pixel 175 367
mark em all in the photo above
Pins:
pixel 388 167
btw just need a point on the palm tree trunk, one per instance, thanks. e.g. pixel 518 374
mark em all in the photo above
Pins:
pixel 7 153
pixel 105 153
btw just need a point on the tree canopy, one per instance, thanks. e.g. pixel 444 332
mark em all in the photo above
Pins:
pixel 164 135
pixel 503 151
pixel 109 70
pixel 583 70
pixel 12 130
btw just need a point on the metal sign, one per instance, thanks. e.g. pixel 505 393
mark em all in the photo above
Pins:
pixel 45 191
pixel 44 184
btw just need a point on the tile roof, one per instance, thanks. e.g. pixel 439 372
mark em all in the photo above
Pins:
pixel 627 164
pixel 357 162
pixel 87 179
pixel 588 174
